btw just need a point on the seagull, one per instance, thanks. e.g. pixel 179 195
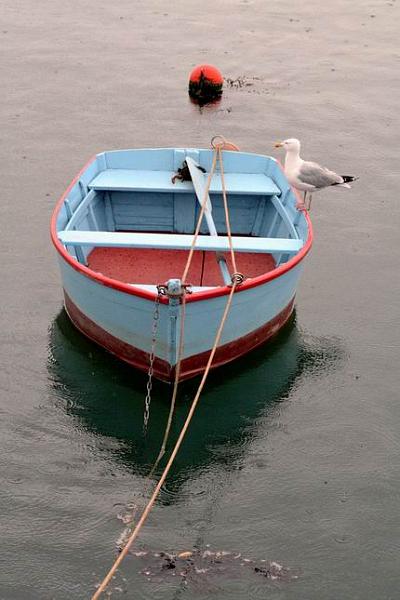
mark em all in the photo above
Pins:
pixel 308 176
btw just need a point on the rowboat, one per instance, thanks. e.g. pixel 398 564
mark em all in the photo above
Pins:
pixel 123 230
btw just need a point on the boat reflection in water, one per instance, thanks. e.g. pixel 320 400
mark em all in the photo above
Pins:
pixel 106 397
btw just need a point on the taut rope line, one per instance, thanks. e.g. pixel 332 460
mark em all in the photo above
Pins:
pixel 175 392
pixel 181 336
pixel 218 147
pixel 237 279
pixel 163 477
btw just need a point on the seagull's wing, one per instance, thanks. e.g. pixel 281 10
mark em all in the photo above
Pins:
pixel 313 174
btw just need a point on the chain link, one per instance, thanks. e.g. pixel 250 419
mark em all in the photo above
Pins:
pixel 147 401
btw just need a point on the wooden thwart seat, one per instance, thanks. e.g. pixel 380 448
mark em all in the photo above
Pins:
pixel 113 239
pixel 129 180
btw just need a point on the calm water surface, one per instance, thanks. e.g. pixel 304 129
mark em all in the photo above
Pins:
pixel 293 455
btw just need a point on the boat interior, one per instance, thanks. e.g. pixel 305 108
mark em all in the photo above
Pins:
pixel 128 220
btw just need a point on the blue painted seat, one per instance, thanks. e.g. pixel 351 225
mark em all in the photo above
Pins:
pixel 127 180
pixel 112 239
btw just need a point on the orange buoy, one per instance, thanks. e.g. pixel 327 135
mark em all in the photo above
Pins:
pixel 205 83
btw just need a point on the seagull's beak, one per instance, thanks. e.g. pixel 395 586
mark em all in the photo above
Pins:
pixel 278 144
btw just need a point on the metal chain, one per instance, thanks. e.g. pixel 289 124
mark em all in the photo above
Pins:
pixel 147 401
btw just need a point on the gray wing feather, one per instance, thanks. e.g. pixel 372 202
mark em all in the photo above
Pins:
pixel 313 174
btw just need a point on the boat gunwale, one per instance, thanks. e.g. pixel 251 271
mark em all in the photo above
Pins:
pixel 147 294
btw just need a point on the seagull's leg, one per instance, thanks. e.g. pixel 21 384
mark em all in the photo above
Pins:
pixel 302 205
pixel 309 202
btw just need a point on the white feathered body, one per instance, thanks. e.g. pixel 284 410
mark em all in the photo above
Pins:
pixel 308 176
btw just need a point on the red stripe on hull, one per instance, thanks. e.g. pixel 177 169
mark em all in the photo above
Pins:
pixel 190 367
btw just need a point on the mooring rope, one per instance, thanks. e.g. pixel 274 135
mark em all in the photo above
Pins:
pixel 217 147
pixel 174 452
pixel 176 384
pixel 182 321
pixel 237 279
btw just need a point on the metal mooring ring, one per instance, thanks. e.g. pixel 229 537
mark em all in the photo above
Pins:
pixel 237 278
pixel 162 290
pixel 214 144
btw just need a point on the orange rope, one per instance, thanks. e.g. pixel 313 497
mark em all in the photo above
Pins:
pixel 176 383
pixel 181 337
pixel 228 224
pixel 236 280
pixel 146 511
pixel 218 151
pixel 170 415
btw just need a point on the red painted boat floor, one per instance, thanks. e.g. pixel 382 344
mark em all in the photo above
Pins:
pixel 132 265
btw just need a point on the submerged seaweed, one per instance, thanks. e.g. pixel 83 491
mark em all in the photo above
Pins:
pixel 195 565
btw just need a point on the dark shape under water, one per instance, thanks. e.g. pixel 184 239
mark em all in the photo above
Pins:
pixel 106 397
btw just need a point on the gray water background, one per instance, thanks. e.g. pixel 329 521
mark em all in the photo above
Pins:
pixel 294 453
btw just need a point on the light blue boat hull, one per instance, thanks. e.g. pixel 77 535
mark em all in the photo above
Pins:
pixel 119 316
